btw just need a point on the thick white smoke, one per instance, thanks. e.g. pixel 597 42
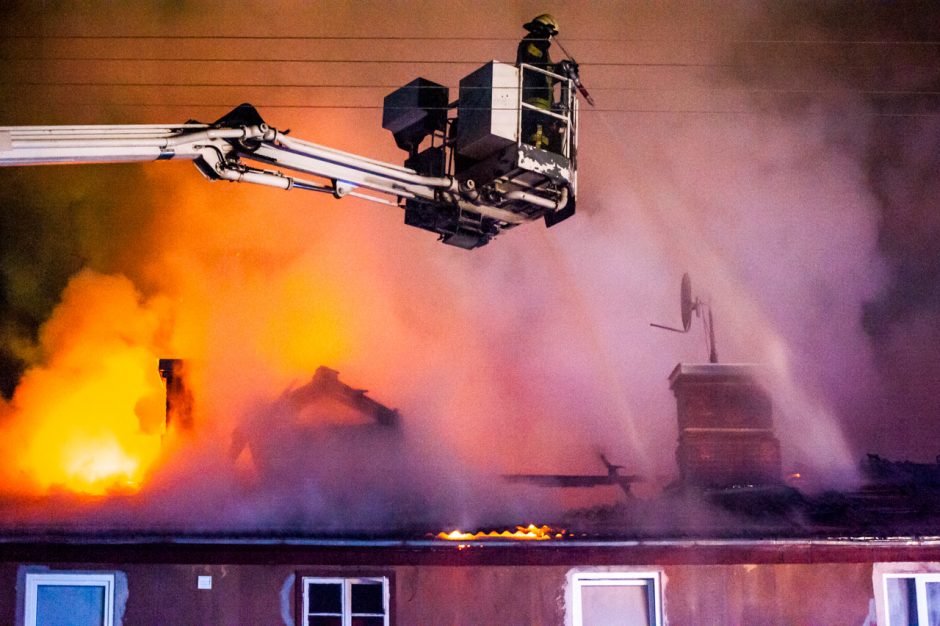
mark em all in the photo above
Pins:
pixel 534 354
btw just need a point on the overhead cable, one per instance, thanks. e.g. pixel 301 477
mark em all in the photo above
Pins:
pixel 642 40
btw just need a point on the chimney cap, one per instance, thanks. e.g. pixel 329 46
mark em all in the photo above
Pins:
pixel 716 370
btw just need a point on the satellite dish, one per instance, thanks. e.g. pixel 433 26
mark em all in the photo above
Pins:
pixel 689 305
pixel 686 303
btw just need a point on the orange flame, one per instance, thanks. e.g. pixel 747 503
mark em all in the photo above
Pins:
pixel 522 533
pixel 89 419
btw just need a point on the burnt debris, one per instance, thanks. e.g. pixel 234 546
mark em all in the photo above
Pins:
pixel 326 384
pixel 179 398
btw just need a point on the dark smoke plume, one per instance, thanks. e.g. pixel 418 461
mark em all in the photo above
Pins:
pixel 873 71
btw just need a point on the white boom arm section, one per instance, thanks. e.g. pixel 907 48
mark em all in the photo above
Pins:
pixel 219 153
pixel 241 147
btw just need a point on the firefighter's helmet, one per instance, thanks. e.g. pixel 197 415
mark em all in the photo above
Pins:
pixel 544 23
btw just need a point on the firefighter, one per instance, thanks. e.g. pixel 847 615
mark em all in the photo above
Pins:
pixel 538 129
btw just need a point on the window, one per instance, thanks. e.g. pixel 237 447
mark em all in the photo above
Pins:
pixel 615 599
pixel 912 599
pixel 67 598
pixel 345 601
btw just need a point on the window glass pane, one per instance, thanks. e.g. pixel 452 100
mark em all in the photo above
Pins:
pixel 626 605
pixel 933 603
pixel 324 621
pixel 368 598
pixel 368 621
pixel 325 597
pixel 902 601
pixel 69 605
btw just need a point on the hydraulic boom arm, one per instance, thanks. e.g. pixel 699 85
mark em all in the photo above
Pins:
pixel 221 151
pixel 466 195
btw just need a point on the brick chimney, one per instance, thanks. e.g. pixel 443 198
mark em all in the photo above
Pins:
pixel 726 434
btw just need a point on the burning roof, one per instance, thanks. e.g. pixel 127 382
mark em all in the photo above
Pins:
pixel 804 197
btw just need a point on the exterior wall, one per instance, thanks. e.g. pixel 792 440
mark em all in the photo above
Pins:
pixel 762 582
pixel 8 600
pixel 166 594
pixel 465 596
pixel 805 595
pixel 731 595
pixel 243 594
pixel 799 595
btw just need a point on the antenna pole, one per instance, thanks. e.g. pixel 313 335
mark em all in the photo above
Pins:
pixel 712 350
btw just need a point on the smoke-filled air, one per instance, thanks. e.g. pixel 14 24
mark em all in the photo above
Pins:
pixel 784 155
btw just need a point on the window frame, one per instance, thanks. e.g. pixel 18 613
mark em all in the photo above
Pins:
pixel 346 580
pixel 67 579
pixel 647 579
pixel 920 586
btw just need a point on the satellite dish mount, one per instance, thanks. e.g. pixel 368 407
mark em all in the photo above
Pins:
pixel 689 305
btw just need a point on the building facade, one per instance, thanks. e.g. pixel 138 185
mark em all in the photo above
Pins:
pixel 306 582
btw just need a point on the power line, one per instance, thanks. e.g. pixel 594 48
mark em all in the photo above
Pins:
pixel 410 62
pixel 283 37
pixel 354 61
pixel 714 90
pixel 808 42
pixel 379 108
pixel 367 107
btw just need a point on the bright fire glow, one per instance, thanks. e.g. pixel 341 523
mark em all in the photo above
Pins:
pixel 97 467
pixel 87 436
pixel 303 330
pixel 522 533
pixel 90 419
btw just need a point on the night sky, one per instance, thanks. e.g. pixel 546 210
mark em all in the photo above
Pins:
pixel 784 154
